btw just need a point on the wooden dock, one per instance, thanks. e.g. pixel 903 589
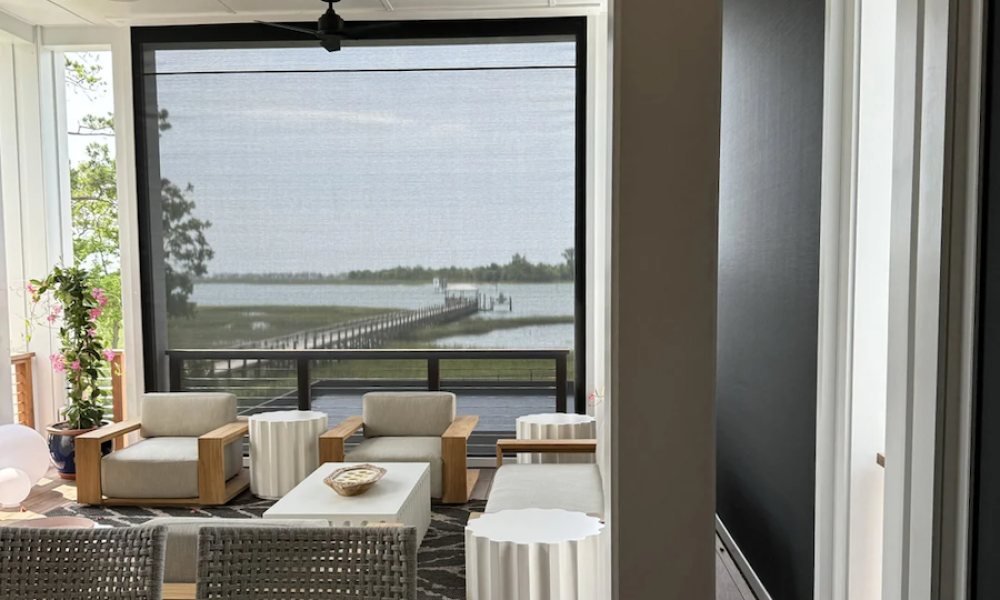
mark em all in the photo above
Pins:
pixel 370 332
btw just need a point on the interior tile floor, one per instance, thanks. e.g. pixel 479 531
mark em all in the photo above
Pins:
pixel 53 492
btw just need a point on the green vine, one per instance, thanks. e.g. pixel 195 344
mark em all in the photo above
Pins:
pixel 76 307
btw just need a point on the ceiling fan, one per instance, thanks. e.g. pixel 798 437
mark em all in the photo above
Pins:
pixel 331 28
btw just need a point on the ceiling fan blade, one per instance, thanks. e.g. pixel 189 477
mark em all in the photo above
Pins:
pixel 358 32
pixel 290 28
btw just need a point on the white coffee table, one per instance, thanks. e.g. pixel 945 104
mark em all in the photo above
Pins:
pixel 532 554
pixel 403 495
pixel 284 450
pixel 556 426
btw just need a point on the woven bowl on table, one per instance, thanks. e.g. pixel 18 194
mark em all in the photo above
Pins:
pixel 354 480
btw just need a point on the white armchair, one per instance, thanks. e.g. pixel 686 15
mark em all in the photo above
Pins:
pixel 192 453
pixel 411 427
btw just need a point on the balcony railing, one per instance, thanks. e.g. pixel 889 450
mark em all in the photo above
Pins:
pixel 250 367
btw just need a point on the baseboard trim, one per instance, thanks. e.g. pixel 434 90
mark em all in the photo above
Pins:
pixel 741 561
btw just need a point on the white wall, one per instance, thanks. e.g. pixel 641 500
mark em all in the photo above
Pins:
pixel 871 297
pixel 8 187
pixel 35 202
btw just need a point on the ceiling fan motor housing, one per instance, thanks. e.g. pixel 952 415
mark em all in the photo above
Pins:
pixel 330 23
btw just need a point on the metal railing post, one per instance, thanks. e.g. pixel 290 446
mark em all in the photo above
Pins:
pixel 305 384
pixel 433 374
pixel 175 373
pixel 561 383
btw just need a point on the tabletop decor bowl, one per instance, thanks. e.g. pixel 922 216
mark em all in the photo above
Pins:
pixel 354 480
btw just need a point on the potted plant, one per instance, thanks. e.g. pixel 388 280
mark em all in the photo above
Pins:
pixel 69 301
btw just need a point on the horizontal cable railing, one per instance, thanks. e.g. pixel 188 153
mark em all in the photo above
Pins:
pixel 22 380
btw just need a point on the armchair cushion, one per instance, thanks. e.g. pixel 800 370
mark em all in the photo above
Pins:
pixel 161 467
pixel 185 414
pixel 401 414
pixel 181 563
pixel 403 449
pixel 573 487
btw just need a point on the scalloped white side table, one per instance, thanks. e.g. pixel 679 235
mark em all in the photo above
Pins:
pixel 284 450
pixel 556 426
pixel 532 554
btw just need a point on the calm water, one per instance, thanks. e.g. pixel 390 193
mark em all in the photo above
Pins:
pixel 545 336
pixel 527 300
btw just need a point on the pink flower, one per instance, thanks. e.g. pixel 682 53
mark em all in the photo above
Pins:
pixel 75 366
pixel 57 363
pixel 96 292
pixel 51 318
pixel 32 290
pixel 92 333
pixel 94 313
pixel 109 354
pixel 103 301
pixel 56 309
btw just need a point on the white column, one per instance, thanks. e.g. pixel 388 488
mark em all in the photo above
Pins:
pixel 666 118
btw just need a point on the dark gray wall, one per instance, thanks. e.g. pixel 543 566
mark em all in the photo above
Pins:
pixel 986 490
pixel 769 218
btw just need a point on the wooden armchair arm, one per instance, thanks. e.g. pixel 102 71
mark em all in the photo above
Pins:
pixel 230 432
pixel 110 432
pixel 461 427
pixel 331 443
pixel 212 461
pixel 345 429
pixel 514 446
pixel 457 480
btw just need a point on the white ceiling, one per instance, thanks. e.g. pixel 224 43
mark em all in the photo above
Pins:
pixel 162 12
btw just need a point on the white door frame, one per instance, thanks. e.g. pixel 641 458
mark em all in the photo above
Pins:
pixel 932 295
pixel 934 243
pixel 836 297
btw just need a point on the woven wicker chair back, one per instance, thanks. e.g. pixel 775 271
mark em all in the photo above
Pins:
pixel 71 564
pixel 360 563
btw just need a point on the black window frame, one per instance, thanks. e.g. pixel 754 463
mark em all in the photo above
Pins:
pixel 145 39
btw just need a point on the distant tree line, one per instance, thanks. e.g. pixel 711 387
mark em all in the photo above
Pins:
pixel 519 269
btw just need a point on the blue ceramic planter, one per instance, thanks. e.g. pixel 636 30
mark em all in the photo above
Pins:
pixel 62 448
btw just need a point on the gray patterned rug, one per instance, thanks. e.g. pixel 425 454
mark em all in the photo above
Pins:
pixel 441 560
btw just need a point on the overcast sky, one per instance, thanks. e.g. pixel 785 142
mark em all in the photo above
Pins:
pixel 333 171
pixel 330 172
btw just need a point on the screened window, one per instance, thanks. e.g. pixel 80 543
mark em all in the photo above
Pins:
pixel 427 189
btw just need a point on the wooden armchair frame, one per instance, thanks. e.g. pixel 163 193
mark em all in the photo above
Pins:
pixel 457 479
pixel 544 446
pixel 213 489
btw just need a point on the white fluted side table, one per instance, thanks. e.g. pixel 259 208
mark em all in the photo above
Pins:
pixel 284 450
pixel 532 554
pixel 556 426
